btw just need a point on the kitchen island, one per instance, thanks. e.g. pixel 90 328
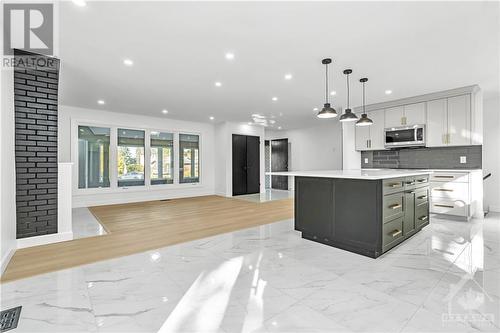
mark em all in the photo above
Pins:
pixel 363 211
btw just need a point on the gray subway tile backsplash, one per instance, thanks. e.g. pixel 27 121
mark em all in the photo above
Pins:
pixel 424 158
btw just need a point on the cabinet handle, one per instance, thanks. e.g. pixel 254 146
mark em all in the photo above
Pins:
pixel 423 180
pixel 410 192
pixel 410 183
pixel 448 177
pixel 367 146
pixel 370 142
pixel 394 185
pixel 448 138
pixel 443 190
pixel 396 233
pixel 422 197
pixel 445 206
pixel 423 218
pixel 395 206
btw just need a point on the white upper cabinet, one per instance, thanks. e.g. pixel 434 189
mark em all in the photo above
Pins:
pixel 394 116
pixel 362 137
pixel 414 114
pixel 377 129
pixel 436 123
pixel 459 121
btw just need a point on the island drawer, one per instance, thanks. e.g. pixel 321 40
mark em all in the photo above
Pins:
pixel 422 180
pixel 393 185
pixel 422 215
pixel 450 190
pixel 393 206
pixel 457 177
pixel 421 196
pixel 392 233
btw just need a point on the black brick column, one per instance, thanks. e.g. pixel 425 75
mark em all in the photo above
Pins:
pixel 36 80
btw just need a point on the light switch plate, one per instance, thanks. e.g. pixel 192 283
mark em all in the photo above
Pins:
pixel 366 160
pixel 463 159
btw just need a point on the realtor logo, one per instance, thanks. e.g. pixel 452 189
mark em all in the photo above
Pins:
pixel 28 27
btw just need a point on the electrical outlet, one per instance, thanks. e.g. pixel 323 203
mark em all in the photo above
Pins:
pixel 366 160
pixel 463 159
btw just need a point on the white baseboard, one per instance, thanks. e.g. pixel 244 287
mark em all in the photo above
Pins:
pixel 44 239
pixel 495 209
pixel 6 259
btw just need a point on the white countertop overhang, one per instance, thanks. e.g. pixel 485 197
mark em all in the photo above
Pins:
pixel 353 174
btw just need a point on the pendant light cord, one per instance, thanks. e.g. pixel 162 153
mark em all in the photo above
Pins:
pixel 364 102
pixel 348 98
pixel 326 80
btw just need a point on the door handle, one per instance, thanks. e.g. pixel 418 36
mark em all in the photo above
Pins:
pixel 395 206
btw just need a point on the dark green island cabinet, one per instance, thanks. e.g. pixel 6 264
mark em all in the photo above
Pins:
pixel 365 216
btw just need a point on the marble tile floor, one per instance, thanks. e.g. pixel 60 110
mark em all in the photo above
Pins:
pixel 85 224
pixel 268 195
pixel 268 279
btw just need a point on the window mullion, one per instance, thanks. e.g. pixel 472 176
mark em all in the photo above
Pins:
pixel 147 158
pixel 113 158
pixel 176 158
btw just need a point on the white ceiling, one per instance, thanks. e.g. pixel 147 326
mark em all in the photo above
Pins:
pixel 178 52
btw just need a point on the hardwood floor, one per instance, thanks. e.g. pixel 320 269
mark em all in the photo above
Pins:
pixel 138 227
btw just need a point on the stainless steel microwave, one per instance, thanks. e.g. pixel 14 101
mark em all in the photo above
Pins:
pixel 405 136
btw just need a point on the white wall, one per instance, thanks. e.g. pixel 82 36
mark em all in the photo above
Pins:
pixel 69 116
pixel 224 154
pixel 7 170
pixel 351 159
pixel 313 148
pixel 491 159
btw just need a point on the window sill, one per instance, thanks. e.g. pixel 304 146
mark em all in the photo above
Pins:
pixel 132 189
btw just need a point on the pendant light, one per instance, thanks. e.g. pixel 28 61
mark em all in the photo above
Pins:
pixel 364 120
pixel 348 115
pixel 327 111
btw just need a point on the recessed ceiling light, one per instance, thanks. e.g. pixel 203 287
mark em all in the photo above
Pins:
pixel 218 84
pixel 164 111
pixel 333 92
pixel 288 76
pixel 315 109
pixel 279 127
pixel 388 92
pixel 80 3
pixel 274 99
pixel 211 118
pixel 229 56
pixel 128 62
pixel 101 102
pixel 249 123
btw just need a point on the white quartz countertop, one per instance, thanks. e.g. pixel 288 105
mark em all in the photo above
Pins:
pixel 353 174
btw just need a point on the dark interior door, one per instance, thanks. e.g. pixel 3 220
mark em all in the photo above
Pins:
pixel 253 164
pixel 246 164
pixel 279 162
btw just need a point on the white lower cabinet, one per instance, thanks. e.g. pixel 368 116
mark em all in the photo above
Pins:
pixel 454 193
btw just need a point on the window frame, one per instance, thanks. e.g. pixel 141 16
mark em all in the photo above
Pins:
pixel 113 158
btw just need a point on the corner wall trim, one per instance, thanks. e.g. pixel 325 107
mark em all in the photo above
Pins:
pixel 6 259
pixel 44 239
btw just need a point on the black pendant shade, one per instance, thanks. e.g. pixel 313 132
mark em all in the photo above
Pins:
pixel 364 120
pixel 348 115
pixel 327 111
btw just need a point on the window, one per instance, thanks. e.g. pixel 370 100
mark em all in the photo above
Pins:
pixel 130 157
pixel 189 150
pixel 162 158
pixel 93 157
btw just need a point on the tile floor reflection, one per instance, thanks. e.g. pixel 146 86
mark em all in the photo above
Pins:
pixel 267 279
pixel 268 195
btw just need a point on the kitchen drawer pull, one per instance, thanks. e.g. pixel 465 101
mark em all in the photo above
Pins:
pixel 443 190
pixel 422 197
pixel 422 180
pixel 395 206
pixel 423 218
pixel 410 183
pixel 396 233
pixel 410 192
pixel 445 206
pixel 395 185
pixel 448 177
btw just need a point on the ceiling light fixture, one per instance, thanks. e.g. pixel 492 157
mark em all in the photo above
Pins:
pixel 211 118
pixel 218 84
pixel 288 76
pixel 388 92
pixel 348 115
pixel 101 102
pixel 164 111
pixel 279 127
pixel 327 111
pixel 333 93
pixel 80 3
pixel 128 62
pixel 274 99
pixel 364 120
pixel 229 56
